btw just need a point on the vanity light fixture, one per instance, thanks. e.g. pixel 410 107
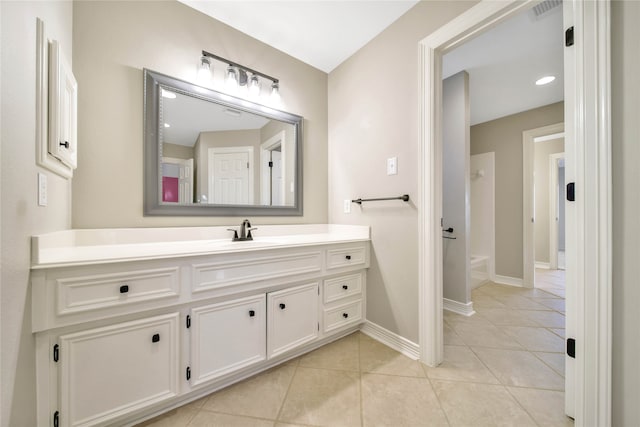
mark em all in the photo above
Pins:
pixel 545 80
pixel 237 76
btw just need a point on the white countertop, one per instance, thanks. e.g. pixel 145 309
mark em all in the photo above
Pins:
pixel 97 246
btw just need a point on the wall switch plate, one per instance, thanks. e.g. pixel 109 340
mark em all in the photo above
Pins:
pixel 392 166
pixel 347 206
pixel 42 189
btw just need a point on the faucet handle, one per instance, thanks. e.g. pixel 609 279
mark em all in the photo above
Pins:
pixel 249 236
pixel 235 233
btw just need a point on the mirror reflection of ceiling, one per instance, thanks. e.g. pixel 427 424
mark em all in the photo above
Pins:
pixel 504 63
pixel 188 116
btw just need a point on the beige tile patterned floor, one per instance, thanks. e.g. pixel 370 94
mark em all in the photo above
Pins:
pixel 502 367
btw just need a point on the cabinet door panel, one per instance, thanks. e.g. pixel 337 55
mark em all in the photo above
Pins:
pixel 293 318
pixel 111 371
pixel 226 337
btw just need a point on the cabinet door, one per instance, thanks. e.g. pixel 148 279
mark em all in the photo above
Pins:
pixel 111 371
pixel 293 318
pixel 226 337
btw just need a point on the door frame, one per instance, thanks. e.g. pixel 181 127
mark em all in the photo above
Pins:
pixel 265 176
pixel 588 121
pixel 529 139
pixel 554 212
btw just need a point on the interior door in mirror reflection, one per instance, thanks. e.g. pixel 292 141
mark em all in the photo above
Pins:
pixel 177 180
pixel 231 176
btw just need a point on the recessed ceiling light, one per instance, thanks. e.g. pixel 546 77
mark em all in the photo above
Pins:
pixel 167 125
pixel 545 80
pixel 168 94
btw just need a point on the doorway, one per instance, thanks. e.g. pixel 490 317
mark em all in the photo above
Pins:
pixel 231 175
pixel 587 164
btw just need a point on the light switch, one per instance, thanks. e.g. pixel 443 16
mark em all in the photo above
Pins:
pixel 347 206
pixel 42 189
pixel 392 166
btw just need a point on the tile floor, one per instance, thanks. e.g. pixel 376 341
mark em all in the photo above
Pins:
pixel 502 367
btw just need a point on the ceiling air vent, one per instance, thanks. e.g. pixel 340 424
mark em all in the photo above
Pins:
pixel 542 9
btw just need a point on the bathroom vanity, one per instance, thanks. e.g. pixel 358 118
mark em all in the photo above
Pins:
pixel 132 322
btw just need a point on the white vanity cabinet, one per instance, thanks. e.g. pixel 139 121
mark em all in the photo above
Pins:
pixel 121 340
pixel 226 337
pixel 110 371
pixel 293 318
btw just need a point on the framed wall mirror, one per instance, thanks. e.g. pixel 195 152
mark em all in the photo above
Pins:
pixel 211 154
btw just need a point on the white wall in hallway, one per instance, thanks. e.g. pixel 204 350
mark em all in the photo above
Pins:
pixel 483 208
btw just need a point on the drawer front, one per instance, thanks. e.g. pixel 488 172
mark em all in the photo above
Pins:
pixel 106 373
pixel 230 273
pixel 345 315
pixel 86 293
pixel 346 257
pixel 342 287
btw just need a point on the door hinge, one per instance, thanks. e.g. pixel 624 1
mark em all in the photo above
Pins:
pixel 247 165
pixel 270 164
pixel 56 352
pixel 568 37
pixel 188 321
pixel 571 191
pixel 571 348
pixel 56 419
pixel 188 373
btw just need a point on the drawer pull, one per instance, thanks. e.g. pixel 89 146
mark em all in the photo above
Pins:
pixel 124 289
pixel 282 306
pixel 155 338
pixel 348 257
pixel 252 313
pixel 345 315
pixel 345 287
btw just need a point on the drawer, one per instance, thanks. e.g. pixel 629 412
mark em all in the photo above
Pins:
pixel 219 275
pixel 342 287
pixel 79 294
pixel 346 257
pixel 344 315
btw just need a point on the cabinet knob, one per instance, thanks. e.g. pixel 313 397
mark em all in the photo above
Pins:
pixel 155 338
pixel 252 313
pixel 282 306
pixel 345 287
pixel 348 257
pixel 124 289
pixel 345 315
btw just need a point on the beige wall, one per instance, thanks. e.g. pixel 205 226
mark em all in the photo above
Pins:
pixel 373 115
pixel 177 151
pixel 21 217
pixel 504 137
pixel 625 112
pixel 113 42
pixel 541 173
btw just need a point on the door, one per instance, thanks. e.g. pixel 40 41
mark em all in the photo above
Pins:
pixel 293 318
pixel 111 371
pixel 226 337
pixel 277 194
pixel 230 178
pixel 177 180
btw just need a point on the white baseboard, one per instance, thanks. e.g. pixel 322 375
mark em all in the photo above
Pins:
pixel 543 265
pixel 391 339
pixel 506 280
pixel 458 307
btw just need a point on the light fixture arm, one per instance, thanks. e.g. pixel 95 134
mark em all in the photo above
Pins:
pixel 235 64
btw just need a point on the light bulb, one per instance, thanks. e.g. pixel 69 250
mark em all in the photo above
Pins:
pixel 254 86
pixel 275 93
pixel 232 79
pixel 204 71
pixel 545 80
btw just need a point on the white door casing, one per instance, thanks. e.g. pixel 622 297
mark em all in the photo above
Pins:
pixel 554 209
pixel 587 145
pixel 266 148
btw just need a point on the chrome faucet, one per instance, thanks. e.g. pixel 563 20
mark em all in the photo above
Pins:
pixel 245 232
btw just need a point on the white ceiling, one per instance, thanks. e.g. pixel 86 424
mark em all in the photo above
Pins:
pixel 322 33
pixel 503 63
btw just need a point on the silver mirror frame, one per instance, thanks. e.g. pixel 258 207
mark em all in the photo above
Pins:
pixel 152 204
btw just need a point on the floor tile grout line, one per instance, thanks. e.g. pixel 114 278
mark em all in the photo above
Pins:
pixel 522 406
pixel 446 417
pixel 360 373
pixel 253 417
pixel 286 394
